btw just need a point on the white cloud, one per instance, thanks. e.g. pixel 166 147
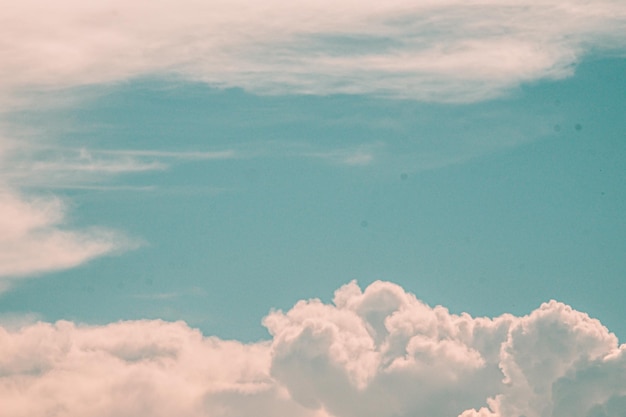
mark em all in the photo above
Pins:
pixel 227 154
pixel 379 352
pixel 33 239
pixel 362 155
pixel 35 235
pixel 444 51
pixel 384 353
pixel 143 368
pixel 58 167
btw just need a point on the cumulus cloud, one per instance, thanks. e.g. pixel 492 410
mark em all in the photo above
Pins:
pixel 142 368
pixel 444 51
pixel 374 352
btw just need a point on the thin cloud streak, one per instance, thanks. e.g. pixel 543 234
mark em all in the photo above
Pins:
pixel 360 156
pixel 146 188
pixel 195 292
pixel 102 167
pixel 193 155
pixel 357 155
pixel 60 167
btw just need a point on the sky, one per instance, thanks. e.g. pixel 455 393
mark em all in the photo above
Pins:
pixel 313 209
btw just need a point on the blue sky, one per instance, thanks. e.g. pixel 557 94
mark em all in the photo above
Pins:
pixel 487 207
pixel 218 166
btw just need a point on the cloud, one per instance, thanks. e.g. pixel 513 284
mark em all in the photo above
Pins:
pixel 34 165
pixel 227 154
pixel 384 353
pixel 35 234
pixel 33 239
pixel 374 352
pixel 142 368
pixel 361 155
pixel 443 51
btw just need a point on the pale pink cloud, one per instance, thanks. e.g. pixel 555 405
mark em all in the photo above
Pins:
pixel 378 352
pixel 36 235
pixel 443 51
pixel 142 368
pixel 33 238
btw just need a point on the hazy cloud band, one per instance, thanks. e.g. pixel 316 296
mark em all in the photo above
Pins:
pixel 442 51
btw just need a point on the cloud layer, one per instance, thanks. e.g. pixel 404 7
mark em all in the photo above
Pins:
pixel 378 352
pixel 443 51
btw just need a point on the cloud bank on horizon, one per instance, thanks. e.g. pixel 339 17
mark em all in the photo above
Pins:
pixel 380 352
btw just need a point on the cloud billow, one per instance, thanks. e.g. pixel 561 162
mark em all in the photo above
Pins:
pixel 378 352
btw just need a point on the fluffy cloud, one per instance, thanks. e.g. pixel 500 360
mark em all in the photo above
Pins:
pixel 445 50
pixel 378 352
pixel 142 368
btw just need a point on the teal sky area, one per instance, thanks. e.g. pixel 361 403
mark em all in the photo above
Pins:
pixel 487 207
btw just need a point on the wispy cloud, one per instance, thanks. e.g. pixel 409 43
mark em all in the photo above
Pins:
pixel 97 187
pixel 443 51
pixel 350 155
pixel 33 239
pixel 356 156
pixel 118 166
pixel 226 154
pixel 59 167
pixel 195 291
